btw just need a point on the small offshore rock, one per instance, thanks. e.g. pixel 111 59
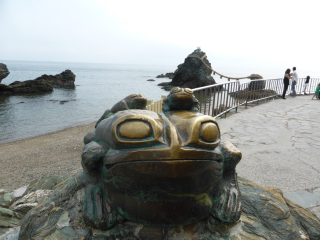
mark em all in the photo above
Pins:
pixel 151 80
pixel 167 75
pixel 164 84
pixel 4 72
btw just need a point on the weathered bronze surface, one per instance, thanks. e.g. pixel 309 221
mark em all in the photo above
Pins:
pixel 133 101
pixel 162 169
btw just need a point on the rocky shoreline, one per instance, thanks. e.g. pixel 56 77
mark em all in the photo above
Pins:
pixel 45 83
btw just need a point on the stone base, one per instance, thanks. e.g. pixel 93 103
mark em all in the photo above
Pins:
pixel 266 214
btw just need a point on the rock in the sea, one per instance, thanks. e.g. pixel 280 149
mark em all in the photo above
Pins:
pixel 193 73
pixel 45 83
pixel 65 79
pixel 4 72
pixel 266 214
pixel 256 85
pixel 169 75
pixel 151 80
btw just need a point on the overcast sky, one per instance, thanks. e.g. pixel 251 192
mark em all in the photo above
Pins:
pixel 266 34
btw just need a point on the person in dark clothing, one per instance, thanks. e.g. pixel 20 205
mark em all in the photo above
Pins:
pixel 287 76
pixel 306 84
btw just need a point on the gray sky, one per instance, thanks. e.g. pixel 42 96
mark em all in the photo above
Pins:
pixel 246 33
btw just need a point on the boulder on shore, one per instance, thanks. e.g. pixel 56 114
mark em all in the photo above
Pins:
pixel 193 73
pixel 45 83
pixel 4 72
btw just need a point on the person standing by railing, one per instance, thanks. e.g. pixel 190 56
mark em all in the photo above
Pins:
pixel 287 76
pixel 306 84
pixel 316 94
pixel 294 82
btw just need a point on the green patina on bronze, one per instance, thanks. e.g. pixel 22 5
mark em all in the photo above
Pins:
pixel 164 169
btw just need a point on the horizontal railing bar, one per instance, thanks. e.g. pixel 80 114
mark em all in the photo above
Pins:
pixel 219 84
pixel 234 93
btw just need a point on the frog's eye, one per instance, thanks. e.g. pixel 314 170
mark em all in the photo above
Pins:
pixel 134 130
pixel 188 90
pixel 175 90
pixel 133 95
pixel 209 132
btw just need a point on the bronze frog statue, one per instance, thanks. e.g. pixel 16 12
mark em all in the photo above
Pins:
pixel 163 169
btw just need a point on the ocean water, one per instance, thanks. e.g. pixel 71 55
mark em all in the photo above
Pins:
pixel 98 87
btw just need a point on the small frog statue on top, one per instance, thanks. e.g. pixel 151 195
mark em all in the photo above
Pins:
pixel 163 169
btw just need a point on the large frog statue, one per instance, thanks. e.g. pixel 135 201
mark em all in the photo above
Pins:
pixel 161 169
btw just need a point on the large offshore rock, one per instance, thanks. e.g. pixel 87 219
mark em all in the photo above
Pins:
pixel 4 72
pixel 266 214
pixel 256 85
pixel 65 79
pixel 193 73
pixel 45 83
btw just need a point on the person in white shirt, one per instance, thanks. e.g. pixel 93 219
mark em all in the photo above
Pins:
pixel 294 82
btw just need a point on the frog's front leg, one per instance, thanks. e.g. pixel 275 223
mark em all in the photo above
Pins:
pixel 228 208
pixel 96 210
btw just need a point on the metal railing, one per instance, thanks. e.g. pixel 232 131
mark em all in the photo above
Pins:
pixel 216 100
pixel 155 106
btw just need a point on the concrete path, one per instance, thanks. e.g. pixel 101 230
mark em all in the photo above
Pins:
pixel 279 141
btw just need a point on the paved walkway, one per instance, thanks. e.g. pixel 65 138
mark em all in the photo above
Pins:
pixel 279 141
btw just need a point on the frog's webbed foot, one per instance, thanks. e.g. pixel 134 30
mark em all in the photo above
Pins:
pixel 97 211
pixel 228 208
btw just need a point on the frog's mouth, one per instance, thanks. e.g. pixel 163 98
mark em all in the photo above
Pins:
pixel 178 173
pixel 164 191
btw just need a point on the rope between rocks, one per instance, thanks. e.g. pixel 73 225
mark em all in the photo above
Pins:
pixel 215 72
